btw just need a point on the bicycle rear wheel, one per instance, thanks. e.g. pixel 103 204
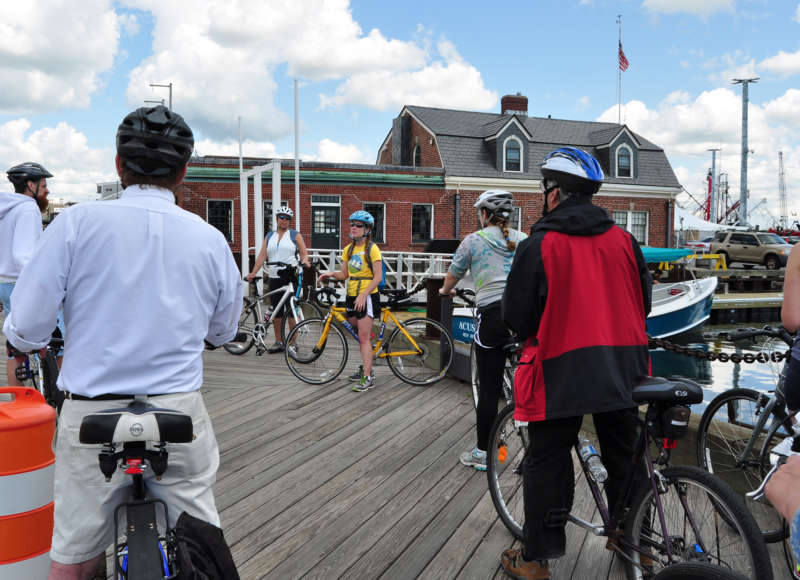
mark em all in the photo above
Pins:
pixel 297 311
pixel 309 363
pixel 243 341
pixel 507 445
pixel 697 571
pixel 427 359
pixel 723 432
pixel 705 520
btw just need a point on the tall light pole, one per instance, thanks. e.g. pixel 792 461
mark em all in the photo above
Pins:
pixel 168 86
pixel 713 196
pixel 745 150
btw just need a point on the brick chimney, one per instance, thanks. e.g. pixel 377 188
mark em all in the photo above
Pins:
pixel 511 104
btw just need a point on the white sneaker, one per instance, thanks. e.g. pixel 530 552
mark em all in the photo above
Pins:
pixel 474 458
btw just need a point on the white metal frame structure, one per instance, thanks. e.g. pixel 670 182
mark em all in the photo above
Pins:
pixel 258 205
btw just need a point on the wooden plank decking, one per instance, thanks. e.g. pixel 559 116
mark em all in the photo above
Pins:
pixel 323 482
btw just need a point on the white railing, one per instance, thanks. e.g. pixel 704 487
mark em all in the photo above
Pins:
pixel 403 269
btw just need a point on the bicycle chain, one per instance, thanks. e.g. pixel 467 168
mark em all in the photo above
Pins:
pixel 735 357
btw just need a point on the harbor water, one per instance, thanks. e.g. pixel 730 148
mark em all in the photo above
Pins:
pixel 715 376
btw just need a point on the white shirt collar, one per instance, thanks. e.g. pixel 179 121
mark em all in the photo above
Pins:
pixel 148 191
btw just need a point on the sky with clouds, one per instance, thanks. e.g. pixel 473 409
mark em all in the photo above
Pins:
pixel 72 69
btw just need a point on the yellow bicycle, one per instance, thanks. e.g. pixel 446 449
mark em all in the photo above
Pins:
pixel 419 351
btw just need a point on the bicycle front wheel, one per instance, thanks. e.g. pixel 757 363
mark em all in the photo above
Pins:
pixel 296 312
pixel 243 341
pixel 420 351
pixel 726 428
pixel 705 520
pixel 697 571
pixel 310 362
pixel 507 446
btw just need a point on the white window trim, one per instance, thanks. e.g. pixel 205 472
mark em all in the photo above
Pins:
pixel 518 210
pixel 521 154
pixel 230 201
pixel 628 221
pixel 414 155
pixel 433 221
pixel 337 203
pixel 616 161
pixel 383 203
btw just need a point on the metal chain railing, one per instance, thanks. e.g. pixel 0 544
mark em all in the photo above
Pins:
pixel 735 357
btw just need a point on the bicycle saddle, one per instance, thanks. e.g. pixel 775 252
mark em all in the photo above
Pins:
pixel 393 292
pixel 661 390
pixel 137 422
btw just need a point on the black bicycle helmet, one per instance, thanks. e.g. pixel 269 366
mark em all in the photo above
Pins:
pixel 573 169
pixel 27 171
pixel 154 141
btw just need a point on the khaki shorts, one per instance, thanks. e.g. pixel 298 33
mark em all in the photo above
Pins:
pixel 85 503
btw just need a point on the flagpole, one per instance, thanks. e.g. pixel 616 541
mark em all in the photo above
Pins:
pixel 619 70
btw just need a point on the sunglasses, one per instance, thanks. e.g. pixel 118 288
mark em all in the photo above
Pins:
pixel 356 225
pixel 284 217
pixel 548 185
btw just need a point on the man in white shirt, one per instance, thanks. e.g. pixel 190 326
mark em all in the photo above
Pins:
pixel 20 228
pixel 143 284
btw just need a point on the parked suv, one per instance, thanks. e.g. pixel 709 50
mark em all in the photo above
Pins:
pixel 752 247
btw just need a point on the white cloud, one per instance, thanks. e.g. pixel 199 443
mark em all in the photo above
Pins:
pixel 221 68
pixel 686 126
pixel 783 64
pixel 701 8
pixel 53 53
pixel 64 151
pixel 450 82
pixel 329 150
pixel 129 24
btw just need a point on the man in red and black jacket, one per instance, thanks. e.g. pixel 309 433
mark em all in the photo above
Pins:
pixel 578 293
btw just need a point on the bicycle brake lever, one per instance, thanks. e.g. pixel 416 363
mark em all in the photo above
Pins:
pixel 758 493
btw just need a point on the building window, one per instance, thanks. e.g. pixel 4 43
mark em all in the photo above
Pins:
pixel 417 156
pixel 268 215
pixel 421 222
pixel 635 222
pixel 377 210
pixel 219 213
pixel 512 154
pixel 516 218
pixel 624 161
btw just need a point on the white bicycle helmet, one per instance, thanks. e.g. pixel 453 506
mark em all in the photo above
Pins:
pixel 285 210
pixel 497 202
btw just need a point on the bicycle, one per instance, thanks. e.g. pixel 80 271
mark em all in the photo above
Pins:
pixel 257 315
pixel 511 349
pixel 146 553
pixel 419 351
pixel 737 431
pixel 680 513
pixel 42 371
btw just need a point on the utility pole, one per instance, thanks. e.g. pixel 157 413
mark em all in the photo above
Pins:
pixel 169 86
pixel 713 197
pixel 745 150
pixel 784 222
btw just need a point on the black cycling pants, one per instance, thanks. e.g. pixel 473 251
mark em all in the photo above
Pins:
pixel 491 335
pixel 549 479
pixel 791 386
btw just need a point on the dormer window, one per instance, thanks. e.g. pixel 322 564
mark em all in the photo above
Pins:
pixel 512 154
pixel 624 161
pixel 417 156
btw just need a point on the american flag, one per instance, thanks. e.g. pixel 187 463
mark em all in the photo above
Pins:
pixel 623 60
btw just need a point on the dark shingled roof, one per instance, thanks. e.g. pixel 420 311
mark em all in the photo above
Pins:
pixel 460 136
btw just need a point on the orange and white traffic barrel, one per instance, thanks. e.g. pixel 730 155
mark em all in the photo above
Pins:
pixel 27 463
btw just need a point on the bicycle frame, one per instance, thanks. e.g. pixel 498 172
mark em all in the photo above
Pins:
pixel 337 313
pixel 611 521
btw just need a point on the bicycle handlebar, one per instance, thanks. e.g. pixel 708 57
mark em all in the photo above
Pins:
pixel 771 331
pixel 467 295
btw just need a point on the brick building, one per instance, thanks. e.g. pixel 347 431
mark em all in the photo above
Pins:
pixel 430 169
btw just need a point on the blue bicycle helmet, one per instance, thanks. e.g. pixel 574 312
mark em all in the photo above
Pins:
pixel 362 216
pixel 573 170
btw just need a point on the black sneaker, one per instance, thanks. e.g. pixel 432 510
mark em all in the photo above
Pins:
pixel 356 376
pixel 277 347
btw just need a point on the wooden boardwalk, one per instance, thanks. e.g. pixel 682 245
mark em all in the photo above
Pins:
pixel 323 482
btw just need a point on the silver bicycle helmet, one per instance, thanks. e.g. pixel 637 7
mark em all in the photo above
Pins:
pixel 497 202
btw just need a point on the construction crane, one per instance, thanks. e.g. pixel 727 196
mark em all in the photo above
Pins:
pixel 784 221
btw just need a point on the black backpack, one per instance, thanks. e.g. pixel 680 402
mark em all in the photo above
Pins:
pixel 203 553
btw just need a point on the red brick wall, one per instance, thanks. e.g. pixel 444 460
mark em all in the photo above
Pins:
pixel 419 136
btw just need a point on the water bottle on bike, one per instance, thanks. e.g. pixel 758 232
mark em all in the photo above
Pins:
pixel 591 459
